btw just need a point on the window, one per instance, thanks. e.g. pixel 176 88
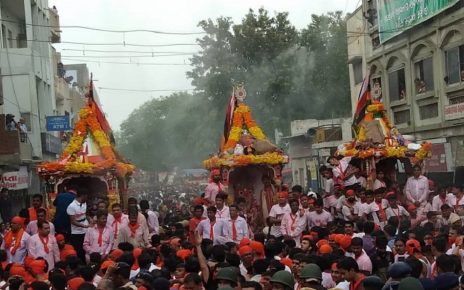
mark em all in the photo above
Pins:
pixel 428 111
pixel 456 100
pixel 401 117
pixel 3 36
pixel 424 75
pixel 357 71
pixel 10 39
pixel 397 85
pixel 454 65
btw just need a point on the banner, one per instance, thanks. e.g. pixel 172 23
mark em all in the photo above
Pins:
pixel 15 180
pixel 396 16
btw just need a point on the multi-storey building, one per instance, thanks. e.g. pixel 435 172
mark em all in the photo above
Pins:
pixel 414 51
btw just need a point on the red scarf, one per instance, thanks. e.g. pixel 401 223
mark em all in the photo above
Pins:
pixel 9 237
pixel 117 221
pixel 234 230
pixel 100 235
pixel 133 229
pixel 211 231
pixel 45 244
pixel 382 215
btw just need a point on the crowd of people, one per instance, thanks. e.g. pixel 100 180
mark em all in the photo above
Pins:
pixel 345 237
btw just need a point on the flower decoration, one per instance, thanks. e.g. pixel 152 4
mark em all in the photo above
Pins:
pixel 243 118
pixel 71 161
pixel 269 158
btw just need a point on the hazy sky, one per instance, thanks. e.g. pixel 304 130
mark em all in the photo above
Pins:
pixel 167 15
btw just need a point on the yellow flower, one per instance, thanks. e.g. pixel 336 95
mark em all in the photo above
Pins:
pixel 242 108
pixel 257 133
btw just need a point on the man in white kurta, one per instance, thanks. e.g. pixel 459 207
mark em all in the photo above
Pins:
pixel 417 188
pixel 214 229
pixel 134 232
pixel 293 223
pixel 99 238
pixel 44 245
pixel 237 225
pixel 117 220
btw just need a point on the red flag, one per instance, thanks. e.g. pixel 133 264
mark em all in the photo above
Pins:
pixel 364 100
pixel 229 117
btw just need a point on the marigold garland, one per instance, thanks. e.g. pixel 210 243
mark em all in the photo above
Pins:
pixel 243 117
pixel 270 158
pixel 69 161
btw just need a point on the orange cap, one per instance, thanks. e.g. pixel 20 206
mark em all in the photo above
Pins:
pixel 282 194
pixel 244 242
pixel 38 266
pixel 287 262
pixel 137 252
pixel 183 254
pixel 106 264
pixel 345 243
pixel 67 253
pixel 350 193
pixel 412 245
pixel 59 238
pixel 257 247
pixel 322 242
pixel 74 283
pixel 332 237
pixel 325 249
pixel 114 255
pixel 17 220
pixel 411 207
pixel 338 238
pixel 245 250
pixel 17 270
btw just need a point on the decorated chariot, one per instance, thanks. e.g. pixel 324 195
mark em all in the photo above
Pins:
pixel 89 159
pixel 250 165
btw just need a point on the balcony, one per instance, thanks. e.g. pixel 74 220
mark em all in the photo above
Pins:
pixel 61 89
pixel 55 25
pixel 14 148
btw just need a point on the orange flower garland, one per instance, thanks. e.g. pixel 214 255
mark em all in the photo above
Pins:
pixel 242 116
pixel 70 163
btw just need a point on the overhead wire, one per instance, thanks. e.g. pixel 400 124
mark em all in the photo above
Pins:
pixel 143 91
pixel 105 29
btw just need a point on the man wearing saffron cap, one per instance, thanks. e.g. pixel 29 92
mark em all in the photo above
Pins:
pixel 277 212
pixel 214 186
pixel 99 238
pixel 15 241
pixel 44 245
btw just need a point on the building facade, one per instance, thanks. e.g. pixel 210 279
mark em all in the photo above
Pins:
pixel 31 89
pixel 415 57
pixel 310 144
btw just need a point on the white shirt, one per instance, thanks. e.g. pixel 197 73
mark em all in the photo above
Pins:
pixel 153 223
pixel 320 220
pixel 220 233
pixel 417 189
pixel 398 212
pixel 241 227
pixel 437 202
pixel 21 252
pixel 78 210
pixel 378 184
pixel 32 228
pixel 278 212
pixel 223 214
pixel 339 172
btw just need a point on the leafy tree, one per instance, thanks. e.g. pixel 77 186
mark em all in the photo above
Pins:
pixel 288 75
